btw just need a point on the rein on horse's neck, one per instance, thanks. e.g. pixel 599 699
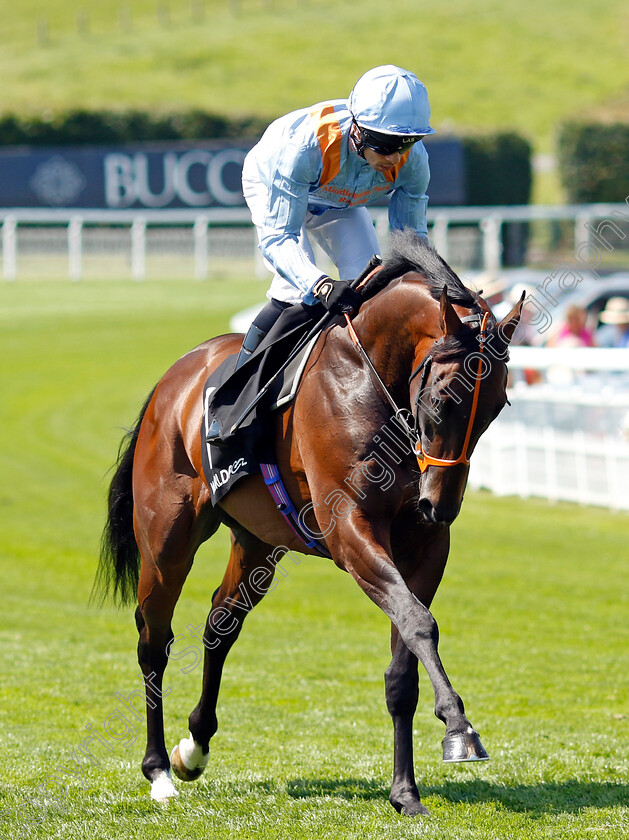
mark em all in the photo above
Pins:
pixel 405 418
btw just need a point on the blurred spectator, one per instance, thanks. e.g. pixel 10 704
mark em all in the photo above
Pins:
pixel 615 317
pixel 573 333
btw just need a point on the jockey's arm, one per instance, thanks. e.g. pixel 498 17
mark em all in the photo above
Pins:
pixel 296 170
pixel 409 202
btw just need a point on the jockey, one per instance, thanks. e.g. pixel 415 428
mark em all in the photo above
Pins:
pixel 312 174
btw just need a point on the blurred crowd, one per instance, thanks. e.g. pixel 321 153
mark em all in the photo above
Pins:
pixel 568 325
pixel 573 326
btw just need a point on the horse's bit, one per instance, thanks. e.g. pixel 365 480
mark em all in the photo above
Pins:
pixel 424 460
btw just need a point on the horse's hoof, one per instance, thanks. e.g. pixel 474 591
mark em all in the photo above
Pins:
pixel 464 746
pixel 188 760
pixel 409 806
pixel 162 788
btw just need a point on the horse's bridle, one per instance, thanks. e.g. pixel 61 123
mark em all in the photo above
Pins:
pixel 424 460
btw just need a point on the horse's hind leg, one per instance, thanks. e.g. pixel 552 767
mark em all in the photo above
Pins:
pixel 167 548
pixel 153 618
pixel 247 580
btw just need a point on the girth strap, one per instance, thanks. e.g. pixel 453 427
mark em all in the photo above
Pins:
pixel 273 481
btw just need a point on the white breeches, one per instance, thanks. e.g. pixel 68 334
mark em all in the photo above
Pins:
pixel 347 236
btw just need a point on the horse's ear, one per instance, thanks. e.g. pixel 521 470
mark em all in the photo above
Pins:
pixel 449 321
pixel 507 326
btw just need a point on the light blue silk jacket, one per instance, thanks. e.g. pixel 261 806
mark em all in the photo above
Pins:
pixel 304 163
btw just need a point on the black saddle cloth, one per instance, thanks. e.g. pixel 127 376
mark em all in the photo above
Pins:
pixel 229 392
pixel 235 390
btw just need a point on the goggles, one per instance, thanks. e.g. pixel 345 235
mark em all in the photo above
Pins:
pixel 388 144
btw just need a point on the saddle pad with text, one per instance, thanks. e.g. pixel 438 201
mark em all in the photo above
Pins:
pixel 241 454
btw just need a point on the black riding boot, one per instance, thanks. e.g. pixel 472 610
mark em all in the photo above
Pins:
pixel 263 322
pixel 252 339
pixel 250 342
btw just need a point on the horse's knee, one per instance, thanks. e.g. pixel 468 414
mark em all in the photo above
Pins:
pixel 420 632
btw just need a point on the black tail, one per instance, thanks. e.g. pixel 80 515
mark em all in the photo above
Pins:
pixel 119 566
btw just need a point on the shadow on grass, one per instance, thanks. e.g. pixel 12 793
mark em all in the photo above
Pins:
pixel 339 788
pixel 535 800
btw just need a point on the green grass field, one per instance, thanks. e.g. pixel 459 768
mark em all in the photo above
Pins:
pixel 501 64
pixel 533 616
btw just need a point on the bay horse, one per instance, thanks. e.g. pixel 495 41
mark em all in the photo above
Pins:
pixel 428 359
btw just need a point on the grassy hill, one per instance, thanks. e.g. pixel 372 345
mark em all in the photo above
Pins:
pixel 493 65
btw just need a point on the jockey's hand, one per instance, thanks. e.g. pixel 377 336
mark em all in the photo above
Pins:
pixel 337 296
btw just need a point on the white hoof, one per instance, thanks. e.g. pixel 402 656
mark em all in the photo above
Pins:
pixel 162 788
pixel 188 759
pixel 192 755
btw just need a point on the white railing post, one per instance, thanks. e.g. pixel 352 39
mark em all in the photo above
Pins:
pixel 581 232
pixel 9 248
pixel 492 244
pixel 382 230
pixel 580 462
pixel 440 235
pixel 201 249
pixel 614 489
pixel 75 248
pixel 521 460
pixel 550 458
pixel 138 248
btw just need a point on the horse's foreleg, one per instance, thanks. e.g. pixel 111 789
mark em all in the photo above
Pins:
pixel 422 567
pixel 364 554
pixel 247 579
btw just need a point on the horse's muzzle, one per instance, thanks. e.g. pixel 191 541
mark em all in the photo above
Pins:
pixel 442 514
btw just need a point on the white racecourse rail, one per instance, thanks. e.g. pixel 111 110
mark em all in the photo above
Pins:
pixel 565 439
pixel 76 232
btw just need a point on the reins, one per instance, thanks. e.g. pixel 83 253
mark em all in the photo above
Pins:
pixel 424 460
pixel 398 412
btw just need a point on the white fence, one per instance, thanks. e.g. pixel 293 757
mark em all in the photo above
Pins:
pixel 460 234
pixel 567 439
pixel 125 243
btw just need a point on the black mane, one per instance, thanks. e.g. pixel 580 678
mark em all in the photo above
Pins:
pixel 411 252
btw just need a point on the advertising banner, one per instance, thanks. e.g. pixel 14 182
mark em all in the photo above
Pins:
pixel 165 175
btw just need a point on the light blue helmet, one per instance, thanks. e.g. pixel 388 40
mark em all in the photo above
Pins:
pixel 390 100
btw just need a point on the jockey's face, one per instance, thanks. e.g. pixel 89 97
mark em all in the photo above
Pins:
pixel 381 163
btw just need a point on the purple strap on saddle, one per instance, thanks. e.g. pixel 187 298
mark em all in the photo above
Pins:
pixel 274 482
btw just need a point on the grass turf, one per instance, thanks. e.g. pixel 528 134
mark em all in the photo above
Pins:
pixel 498 65
pixel 532 613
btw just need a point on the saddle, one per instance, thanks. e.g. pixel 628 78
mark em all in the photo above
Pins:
pixel 228 393
pixel 236 432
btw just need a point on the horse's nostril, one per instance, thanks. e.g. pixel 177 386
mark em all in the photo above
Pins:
pixel 441 515
pixel 427 510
